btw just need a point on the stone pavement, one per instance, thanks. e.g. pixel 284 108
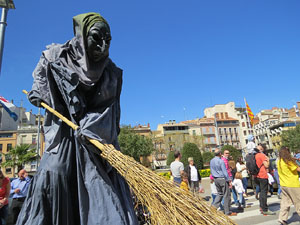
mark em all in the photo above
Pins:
pixel 252 215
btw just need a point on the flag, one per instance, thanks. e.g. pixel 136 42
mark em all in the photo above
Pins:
pixel 250 113
pixel 8 107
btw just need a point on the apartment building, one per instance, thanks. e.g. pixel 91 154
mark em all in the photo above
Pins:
pixel 174 134
pixel 23 131
pixel 209 133
pixel 235 118
pixel 143 130
pixel 8 140
pixel 270 124
pixel 276 131
pixel 228 130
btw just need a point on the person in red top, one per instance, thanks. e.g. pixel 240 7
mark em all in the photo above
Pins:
pixel 4 195
pixel 262 162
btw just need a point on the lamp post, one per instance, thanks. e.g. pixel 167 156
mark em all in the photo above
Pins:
pixel 5 5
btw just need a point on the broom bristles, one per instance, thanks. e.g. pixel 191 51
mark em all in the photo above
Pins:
pixel 166 203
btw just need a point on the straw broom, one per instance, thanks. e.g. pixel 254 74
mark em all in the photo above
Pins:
pixel 166 203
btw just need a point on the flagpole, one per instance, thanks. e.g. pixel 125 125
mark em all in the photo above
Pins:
pixel 217 132
pixel 249 124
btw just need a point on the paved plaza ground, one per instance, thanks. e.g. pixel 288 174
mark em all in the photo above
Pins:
pixel 252 216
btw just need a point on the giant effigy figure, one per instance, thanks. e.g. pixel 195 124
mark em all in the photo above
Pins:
pixel 73 184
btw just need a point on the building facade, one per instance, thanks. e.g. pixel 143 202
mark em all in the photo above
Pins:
pixel 235 118
pixel 23 131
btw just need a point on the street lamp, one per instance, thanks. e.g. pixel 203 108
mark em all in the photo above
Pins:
pixel 5 5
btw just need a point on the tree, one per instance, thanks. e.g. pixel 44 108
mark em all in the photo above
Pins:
pixel 19 156
pixel 207 156
pixel 170 158
pixel 233 151
pixel 196 139
pixel 291 138
pixel 133 144
pixel 191 150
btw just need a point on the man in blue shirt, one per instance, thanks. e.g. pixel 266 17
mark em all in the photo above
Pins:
pixel 18 192
pixel 222 182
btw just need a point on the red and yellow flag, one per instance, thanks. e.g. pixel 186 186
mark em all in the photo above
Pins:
pixel 250 113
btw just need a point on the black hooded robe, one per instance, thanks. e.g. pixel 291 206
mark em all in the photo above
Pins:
pixel 73 184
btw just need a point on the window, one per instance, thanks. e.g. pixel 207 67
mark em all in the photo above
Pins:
pixel 194 132
pixel 1 147
pixel 34 139
pixel 7 157
pixel 245 132
pixel 6 135
pixel 243 124
pixel 242 117
pixel 33 167
pixel 23 139
pixel 7 170
pixel 226 115
pixel 9 147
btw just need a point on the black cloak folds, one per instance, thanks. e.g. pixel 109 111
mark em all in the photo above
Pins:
pixel 73 184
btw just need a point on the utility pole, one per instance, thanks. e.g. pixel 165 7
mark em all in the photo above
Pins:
pixel 5 5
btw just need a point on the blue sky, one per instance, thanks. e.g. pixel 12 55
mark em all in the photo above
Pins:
pixel 178 57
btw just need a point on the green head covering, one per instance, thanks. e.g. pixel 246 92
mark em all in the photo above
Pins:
pixel 83 22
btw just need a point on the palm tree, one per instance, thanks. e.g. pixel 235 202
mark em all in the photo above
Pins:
pixel 19 156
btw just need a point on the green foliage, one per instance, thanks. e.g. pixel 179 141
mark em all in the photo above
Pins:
pixel 233 151
pixel 204 173
pixel 191 150
pixel 19 156
pixel 291 138
pixel 170 158
pixel 133 144
pixel 207 156
pixel 166 175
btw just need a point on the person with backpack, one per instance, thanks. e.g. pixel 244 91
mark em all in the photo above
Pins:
pixel 253 169
pixel 262 162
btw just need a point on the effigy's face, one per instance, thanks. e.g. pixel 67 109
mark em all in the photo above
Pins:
pixel 98 42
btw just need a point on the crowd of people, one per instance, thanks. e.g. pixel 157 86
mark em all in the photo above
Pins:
pixel 229 180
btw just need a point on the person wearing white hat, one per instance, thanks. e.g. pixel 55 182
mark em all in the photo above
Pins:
pixel 250 145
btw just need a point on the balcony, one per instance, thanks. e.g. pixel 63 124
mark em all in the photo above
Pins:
pixel 208 133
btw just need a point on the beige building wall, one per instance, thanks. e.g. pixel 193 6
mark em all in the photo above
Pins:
pixel 229 110
pixel 8 140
